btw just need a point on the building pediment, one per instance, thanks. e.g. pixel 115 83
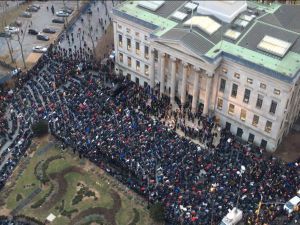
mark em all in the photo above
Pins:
pixel 179 46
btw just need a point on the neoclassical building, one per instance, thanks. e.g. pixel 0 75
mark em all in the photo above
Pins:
pixel 237 60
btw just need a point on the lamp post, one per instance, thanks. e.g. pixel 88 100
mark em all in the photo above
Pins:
pixel 240 173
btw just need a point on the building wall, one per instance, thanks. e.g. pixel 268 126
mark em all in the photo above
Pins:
pixel 136 34
pixel 252 80
pixel 287 96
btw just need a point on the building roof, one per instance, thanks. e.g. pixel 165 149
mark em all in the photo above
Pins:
pixel 198 45
pixel 259 20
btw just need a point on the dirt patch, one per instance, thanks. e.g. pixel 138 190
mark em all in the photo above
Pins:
pixel 108 214
pixel 4 211
pixel 62 186
pixel 289 149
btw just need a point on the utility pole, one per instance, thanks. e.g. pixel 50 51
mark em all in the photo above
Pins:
pixel 240 173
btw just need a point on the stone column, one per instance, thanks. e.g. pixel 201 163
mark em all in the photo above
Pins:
pixel 196 89
pixel 207 93
pixel 213 93
pixel 162 59
pixel 152 69
pixel 183 85
pixel 173 79
pixel 116 46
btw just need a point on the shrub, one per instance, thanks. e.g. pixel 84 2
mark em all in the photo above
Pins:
pixel 157 212
pixel 41 168
pixel 27 219
pixel 40 128
pixel 19 197
pixel 68 213
pixel 77 199
pixel 81 193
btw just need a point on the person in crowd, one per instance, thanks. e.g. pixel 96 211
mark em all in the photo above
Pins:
pixel 131 132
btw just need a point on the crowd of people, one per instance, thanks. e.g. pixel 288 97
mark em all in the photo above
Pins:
pixel 118 125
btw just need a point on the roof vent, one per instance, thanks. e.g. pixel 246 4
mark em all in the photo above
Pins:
pixel 274 46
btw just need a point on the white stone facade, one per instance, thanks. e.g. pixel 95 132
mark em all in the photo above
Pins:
pixel 181 73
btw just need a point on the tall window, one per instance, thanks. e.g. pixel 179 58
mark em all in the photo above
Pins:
pixel 259 101
pixel 120 41
pixel 129 61
pixel 222 85
pixel 243 114
pixel 220 104
pixel 273 107
pixel 255 120
pixel 121 57
pixel 146 70
pixel 251 138
pixel 146 52
pixel 138 66
pixel 137 48
pixel 231 109
pixel 268 126
pixel 247 95
pixel 234 90
pixel 128 44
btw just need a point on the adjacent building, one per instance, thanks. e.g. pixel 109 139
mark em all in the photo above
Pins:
pixel 237 60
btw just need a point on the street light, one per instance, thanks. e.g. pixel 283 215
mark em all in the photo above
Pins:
pixel 240 173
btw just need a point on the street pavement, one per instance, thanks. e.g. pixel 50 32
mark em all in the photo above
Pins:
pixel 98 12
pixel 41 19
pixel 101 10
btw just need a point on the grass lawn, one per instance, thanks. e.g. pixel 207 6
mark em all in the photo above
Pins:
pixel 67 181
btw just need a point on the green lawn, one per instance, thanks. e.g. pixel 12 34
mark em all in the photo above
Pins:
pixel 90 176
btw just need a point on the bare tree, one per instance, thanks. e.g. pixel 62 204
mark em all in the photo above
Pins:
pixel 4 7
pixel 10 49
pixel 21 46
pixel 20 41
